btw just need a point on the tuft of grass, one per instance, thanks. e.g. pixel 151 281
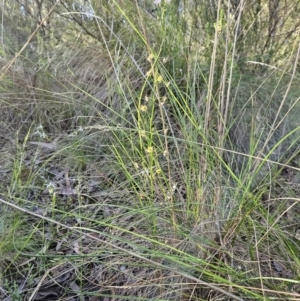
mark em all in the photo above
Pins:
pixel 151 164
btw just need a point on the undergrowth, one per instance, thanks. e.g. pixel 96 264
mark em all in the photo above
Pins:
pixel 140 163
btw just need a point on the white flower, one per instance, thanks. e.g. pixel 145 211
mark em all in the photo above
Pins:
pixel 157 2
pixel 40 132
pixel 50 187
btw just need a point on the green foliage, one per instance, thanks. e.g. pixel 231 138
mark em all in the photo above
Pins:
pixel 152 147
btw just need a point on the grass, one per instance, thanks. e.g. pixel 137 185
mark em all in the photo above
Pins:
pixel 150 168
